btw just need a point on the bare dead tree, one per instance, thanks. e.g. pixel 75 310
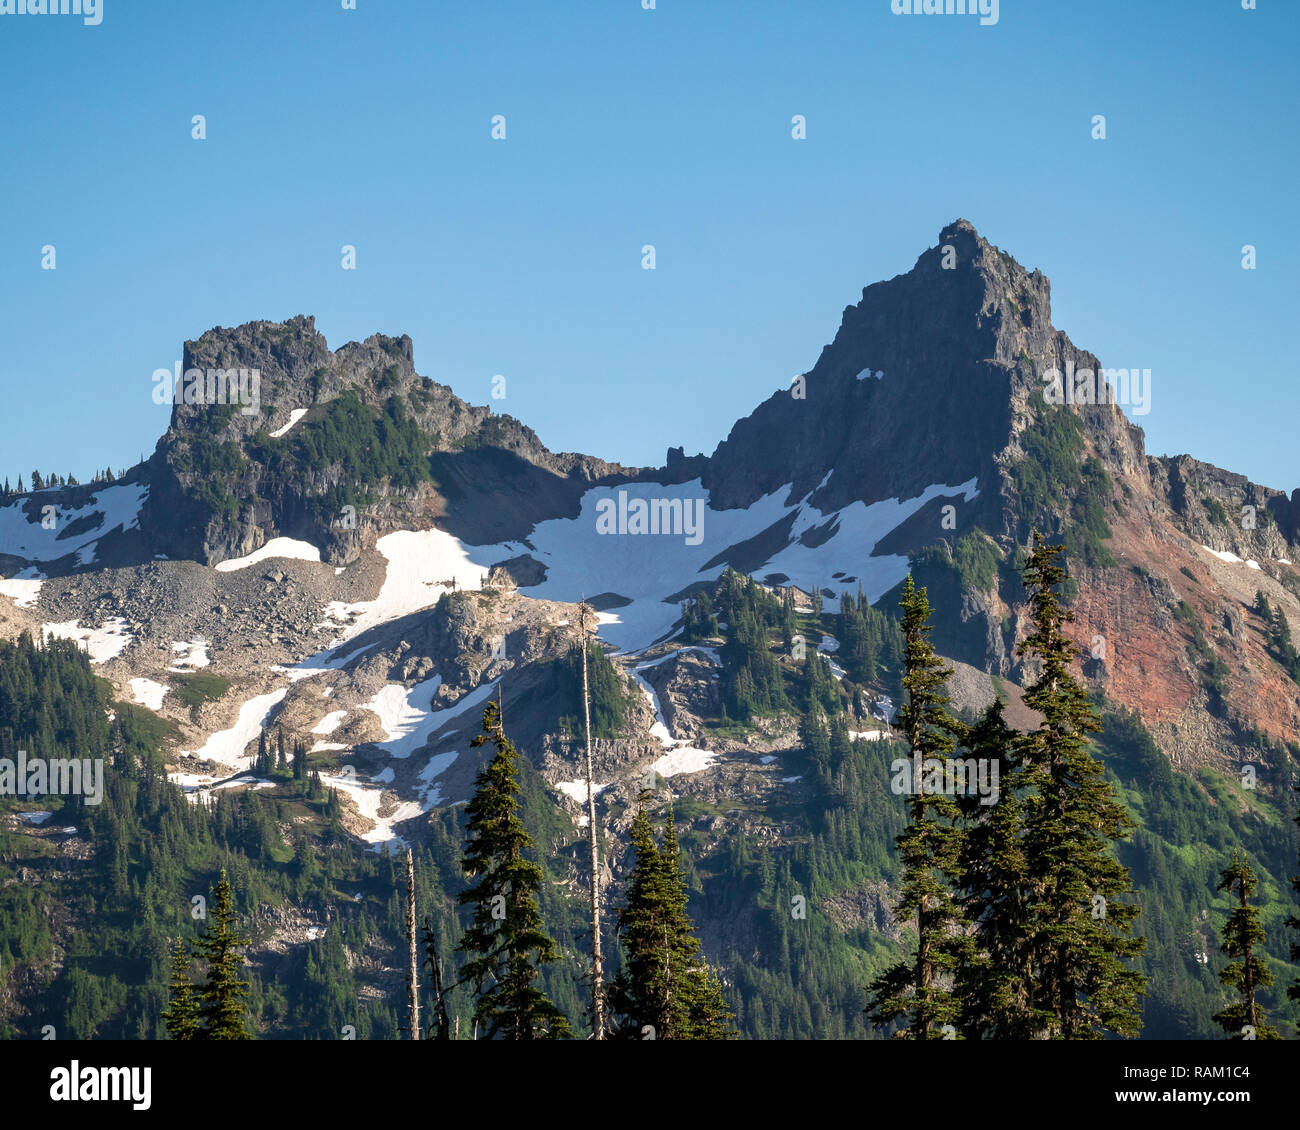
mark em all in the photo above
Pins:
pixel 413 982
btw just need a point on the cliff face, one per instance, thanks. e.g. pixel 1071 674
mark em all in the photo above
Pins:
pixel 936 376
pixel 927 380
pixel 490 477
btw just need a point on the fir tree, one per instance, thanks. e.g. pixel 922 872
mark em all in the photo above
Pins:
pixel 180 1015
pixel 918 990
pixel 1242 933
pixel 505 941
pixel 994 984
pixel 1080 922
pixel 222 999
pixel 664 990
pixel 1293 921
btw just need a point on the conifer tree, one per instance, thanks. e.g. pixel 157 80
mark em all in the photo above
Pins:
pixel 180 1015
pixel 1242 933
pixel 1081 921
pixel 1293 921
pixel 505 941
pixel 664 991
pixel 223 1003
pixel 993 985
pixel 919 989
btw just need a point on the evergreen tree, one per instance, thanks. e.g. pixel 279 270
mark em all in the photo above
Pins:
pixel 1293 921
pixel 919 990
pixel 180 1015
pixel 1241 934
pixel 222 999
pixel 993 985
pixel 1080 924
pixel 664 991
pixel 505 941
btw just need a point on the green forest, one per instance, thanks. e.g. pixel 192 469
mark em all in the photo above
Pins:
pixel 809 935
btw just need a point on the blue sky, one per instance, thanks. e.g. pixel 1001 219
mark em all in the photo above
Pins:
pixel 625 127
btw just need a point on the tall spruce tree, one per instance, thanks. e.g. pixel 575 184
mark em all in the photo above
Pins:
pixel 505 942
pixel 664 991
pixel 181 1015
pixel 919 990
pixel 1080 920
pixel 993 985
pixel 1293 921
pixel 1242 933
pixel 223 1004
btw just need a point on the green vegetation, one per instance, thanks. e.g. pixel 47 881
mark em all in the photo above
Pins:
pixel 347 451
pixel 665 990
pixel 1055 478
pixel 1214 510
pixel 608 689
pixel 1243 1019
pixel 196 689
pixel 1278 634
pixel 505 943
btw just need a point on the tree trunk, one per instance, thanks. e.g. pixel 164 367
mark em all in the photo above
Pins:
pixel 413 983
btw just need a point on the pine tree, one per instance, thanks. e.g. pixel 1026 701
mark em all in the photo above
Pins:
pixel 223 1005
pixel 1293 921
pixel 994 984
pixel 180 1015
pixel 1242 933
pixel 918 990
pixel 1080 920
pixel 664 990
pixel 505 941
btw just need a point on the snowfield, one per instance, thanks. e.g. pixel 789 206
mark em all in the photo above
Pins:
pixel 23 535
pixel 145 692
pixel 106 642
pixel 646 568
pixel 25 591
pixel 226 747
pixel 421 567
pixel 290 548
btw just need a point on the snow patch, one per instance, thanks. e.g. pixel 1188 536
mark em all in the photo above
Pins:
pixel 331 722
pixel 23 535
pixel 145 692
pixel 685 759
pixel 294 416
pixel 227 746
pixel 23 591
pixel 577 790
pixel 190 655
pixel 277 547
pixel 1223 555
pixel 106 642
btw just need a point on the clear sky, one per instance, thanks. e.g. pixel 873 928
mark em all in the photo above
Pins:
pixel 625 127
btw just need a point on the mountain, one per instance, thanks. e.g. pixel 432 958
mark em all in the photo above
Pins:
pixel 353 556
